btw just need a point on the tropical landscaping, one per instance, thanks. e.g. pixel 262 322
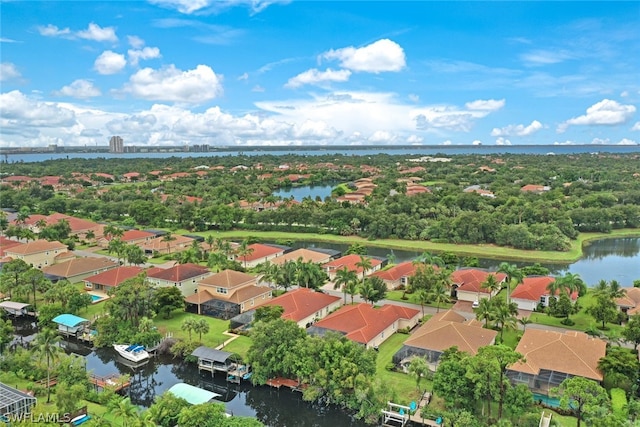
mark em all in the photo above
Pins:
pixel 221 214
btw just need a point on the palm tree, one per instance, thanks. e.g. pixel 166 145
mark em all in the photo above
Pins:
pixel 47 347
pixel 244 251
pixel 439 293
pixel 484 311
pixel 572 283
pixel 367 291
pixel 269 272
pixel 491 284
pixel 418 368
pixel 365 264
pixel 123 408
pixel 505 316
pixel 524 321
pixel 514 275
pixel 429 259
pixel 201 326
pixel 168 238
pixel 352 289
pixel 111 232
pixel 422 296
pixel 343 277
pixel 118 246
pixel 217 260
pixel 189 325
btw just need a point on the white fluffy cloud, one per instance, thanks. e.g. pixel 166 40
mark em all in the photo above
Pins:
pixel 485 104
pixel 174 85
pixel 135 42
pixel 99 34
pixel 414 139
pixel 502 141
pixel 135 55
pixel 109 62
pixel 8 71
pixel 382 55
pixel 636 126
pixel 381 137
pixel 93 32
pixel 315 76
pixel 79 89
pixel 605 112
pixel 517 130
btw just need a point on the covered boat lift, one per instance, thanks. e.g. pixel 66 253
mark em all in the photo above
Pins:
pixel 71 325
pixel 193 395
pixel 16 309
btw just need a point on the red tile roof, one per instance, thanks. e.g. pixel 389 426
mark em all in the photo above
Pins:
pixel 36 247
pixel 130 235
pixel 404 269
pixel 259 251
pixel 362 322
pixel 349 261
pixel 179 273
pixel 115 276
pixel 7 244
pixel 302 303
pixel 78 266
pixel 533 287
pixel 471 279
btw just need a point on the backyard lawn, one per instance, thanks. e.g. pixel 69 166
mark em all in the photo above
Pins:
pixel 213 338
pixel 403 385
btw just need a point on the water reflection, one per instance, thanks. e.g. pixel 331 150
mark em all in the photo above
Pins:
pixel 605 259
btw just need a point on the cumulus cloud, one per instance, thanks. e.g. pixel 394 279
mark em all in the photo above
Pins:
pixel 53 31
pixel 476 142
pixel 414 139
pixel 315 76
pixel 135 42
pixel 20 114
pixel 93 32
pixel 485 104
pixel 382 55
pixel 109 62
pixel 517 130
pixel 174 85
pixel 606 112
pixel 626 141
pixel 314 130
pixel 636 126
pixel 79 89
pixel 96 33
pixel 135 55
pixel 8 71
pixel 502 141
pixel 382 137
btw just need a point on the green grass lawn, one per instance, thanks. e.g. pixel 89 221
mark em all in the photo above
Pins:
pixel 487 251
pixel 397 296
pixel 240 346
pixel 214 338
pixel 403 385
pixel 583 320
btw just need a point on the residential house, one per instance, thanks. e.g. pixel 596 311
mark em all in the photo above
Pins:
pixel 398 275
pixel 260 253
pixel 109 279
pixel 467 284
pixel 533 291
pixel 551 357
pixel 536 189
pixel 79 227
pixel 305 306
pixel 366 324
pixel 161 246
pixel 349 262
pixel 306 255
pixel 444 330
pixel 130 237
pixel 38 253
pixel 7 244
pixel 630 302
pixel 78 269
pixel 227 294
pixel 184 276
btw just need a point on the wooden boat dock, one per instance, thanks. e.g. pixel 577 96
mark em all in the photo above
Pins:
pixel 114 381
pixel 286 382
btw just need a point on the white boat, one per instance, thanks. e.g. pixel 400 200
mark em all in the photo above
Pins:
pixel 134 352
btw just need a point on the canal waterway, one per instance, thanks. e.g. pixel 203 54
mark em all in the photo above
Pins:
pixel 605 259
pixel 300 193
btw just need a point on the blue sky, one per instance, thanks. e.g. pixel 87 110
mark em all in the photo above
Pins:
pixel 260 72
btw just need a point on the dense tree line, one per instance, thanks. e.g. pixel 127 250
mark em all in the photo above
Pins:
pixel 586 193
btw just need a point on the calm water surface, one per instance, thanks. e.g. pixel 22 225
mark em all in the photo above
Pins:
pixel 300 193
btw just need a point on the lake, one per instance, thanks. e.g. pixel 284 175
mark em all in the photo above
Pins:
pixel 300 193
pixel 605 259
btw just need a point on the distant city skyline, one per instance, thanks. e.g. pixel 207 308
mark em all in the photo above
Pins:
pixel 274 72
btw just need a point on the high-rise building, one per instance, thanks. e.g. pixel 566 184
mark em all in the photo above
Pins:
pixel 116 145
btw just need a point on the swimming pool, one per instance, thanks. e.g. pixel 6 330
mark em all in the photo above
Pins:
pixel 546 400
pixel 95 298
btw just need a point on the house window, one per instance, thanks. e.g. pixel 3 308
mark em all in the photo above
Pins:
pixel 221 291
pixel 252 303
pixel 382 336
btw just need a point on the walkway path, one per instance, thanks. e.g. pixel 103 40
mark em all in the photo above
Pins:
pixel 224 344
